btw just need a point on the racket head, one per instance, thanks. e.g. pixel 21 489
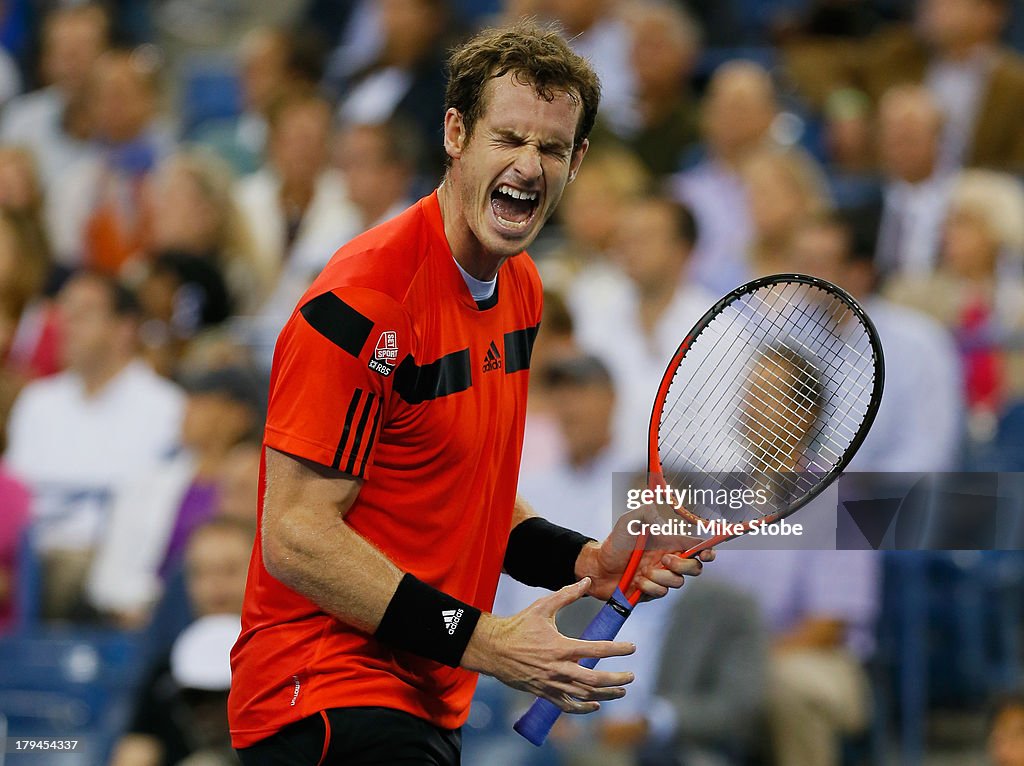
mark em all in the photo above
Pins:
pixel 776 329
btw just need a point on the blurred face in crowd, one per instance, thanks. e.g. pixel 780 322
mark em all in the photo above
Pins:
pixel 375 179
pixel 1006 741
pixel 738 110
pixel 216 564
pixel 123 97
pixel 182 215
pixel 575 15
pixel 968 248
pixel 909 132
pixel 264 68
pixel 92 333
pixel 299 141
pixel 214 421
pixel 409 28
pixel 777 200
pixel 822 249
pixel 662 52
pixel 238 485
pixel 649 247
pixel 509 174
pixel 770 426
pixel 19 183
pixel 955 25
pixel 73 40
pixel 584 412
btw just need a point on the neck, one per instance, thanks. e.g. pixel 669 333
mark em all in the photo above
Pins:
pixel 296 194
pixel 97 376
pixel 209 461
pixel 655 300
pixel 962 50
pixel 581 456
pixel 466 248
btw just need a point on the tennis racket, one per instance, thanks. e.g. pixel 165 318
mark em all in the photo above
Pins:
pixel 772 391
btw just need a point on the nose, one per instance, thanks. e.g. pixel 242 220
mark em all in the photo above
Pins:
pixel 528 163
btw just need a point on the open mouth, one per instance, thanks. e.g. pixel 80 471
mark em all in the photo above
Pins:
pixel 514 208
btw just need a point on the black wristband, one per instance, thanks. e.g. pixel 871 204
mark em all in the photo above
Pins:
pixel 544 554
pixel 426 622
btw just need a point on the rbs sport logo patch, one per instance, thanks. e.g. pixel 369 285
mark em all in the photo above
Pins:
pixel 385 354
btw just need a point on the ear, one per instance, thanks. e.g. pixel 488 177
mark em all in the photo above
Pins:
pixel 454 133
pixel 577 159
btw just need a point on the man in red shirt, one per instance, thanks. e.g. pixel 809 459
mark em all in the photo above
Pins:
pixel 392 446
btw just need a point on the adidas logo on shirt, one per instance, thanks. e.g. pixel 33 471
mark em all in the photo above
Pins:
pixel 451 619
pixel 493 359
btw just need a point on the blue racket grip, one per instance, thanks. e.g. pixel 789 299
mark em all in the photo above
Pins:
pixel 535 724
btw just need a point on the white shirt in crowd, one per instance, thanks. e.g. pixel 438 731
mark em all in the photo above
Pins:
pixel 920 419
pixel 73 449
pixel 910 231
pixel 605 308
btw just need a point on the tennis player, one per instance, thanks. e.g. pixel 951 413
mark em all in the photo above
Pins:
pixel 392 448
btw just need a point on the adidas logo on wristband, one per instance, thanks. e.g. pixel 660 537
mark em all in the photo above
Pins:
pixel 451 619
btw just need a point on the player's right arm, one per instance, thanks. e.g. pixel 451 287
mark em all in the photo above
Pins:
pixel 308 546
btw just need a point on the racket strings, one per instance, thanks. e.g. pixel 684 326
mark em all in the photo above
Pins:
pixel 770 396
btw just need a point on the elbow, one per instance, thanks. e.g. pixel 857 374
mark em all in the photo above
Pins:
pixel 278 556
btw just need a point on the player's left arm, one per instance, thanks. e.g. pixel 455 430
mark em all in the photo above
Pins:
pixel 604 562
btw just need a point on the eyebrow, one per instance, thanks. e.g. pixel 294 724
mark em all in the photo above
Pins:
pixel 552 146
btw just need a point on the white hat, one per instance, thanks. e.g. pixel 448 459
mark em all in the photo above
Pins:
pixel 201 655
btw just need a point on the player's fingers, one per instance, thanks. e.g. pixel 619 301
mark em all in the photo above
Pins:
pixel 680 566
pixel 577 649
pixel 568 704
pixel 707 555
pixel 650 588
pixel 600 679
pixel 592 694
pixel 665 577
pixel 551 604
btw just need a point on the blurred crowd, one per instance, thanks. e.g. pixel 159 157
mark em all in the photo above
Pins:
pixel 174 173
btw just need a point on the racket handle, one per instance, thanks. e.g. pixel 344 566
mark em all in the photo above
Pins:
pixel 535 724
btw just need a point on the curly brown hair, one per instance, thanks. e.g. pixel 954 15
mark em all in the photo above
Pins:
pixel 535 55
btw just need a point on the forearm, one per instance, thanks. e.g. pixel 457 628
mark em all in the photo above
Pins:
pixel 333 566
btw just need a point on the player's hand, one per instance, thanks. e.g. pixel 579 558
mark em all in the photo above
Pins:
pixel 660 569
pixel 526 651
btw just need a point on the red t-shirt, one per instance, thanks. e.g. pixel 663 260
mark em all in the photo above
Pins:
pixel 389 370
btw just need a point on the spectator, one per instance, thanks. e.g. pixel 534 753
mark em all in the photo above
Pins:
pixel 820 607
pixel 154 514
pixel 977 291
pixel 379 165
pixel 238 481
pixel 272 60
pixel 664 46
pixel 635 318
pixel 543 444
pixel 296 205
pixel 849 146
pixel 783 188
pixel 591 210
pixel 54 122
pixel 27 327
pixel 1006 731
pixel 738 111
pixel 920 419
pixel 15 504
pixel 702 699
pixel 406 79
pixel 599 32
pixel 193 212
pixel 99 202
pixel 77 435
pixel 216 564
pixel 954 50
pixel 916 191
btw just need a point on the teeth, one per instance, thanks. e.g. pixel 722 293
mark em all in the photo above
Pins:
pixel 516 193
pixel 511 224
